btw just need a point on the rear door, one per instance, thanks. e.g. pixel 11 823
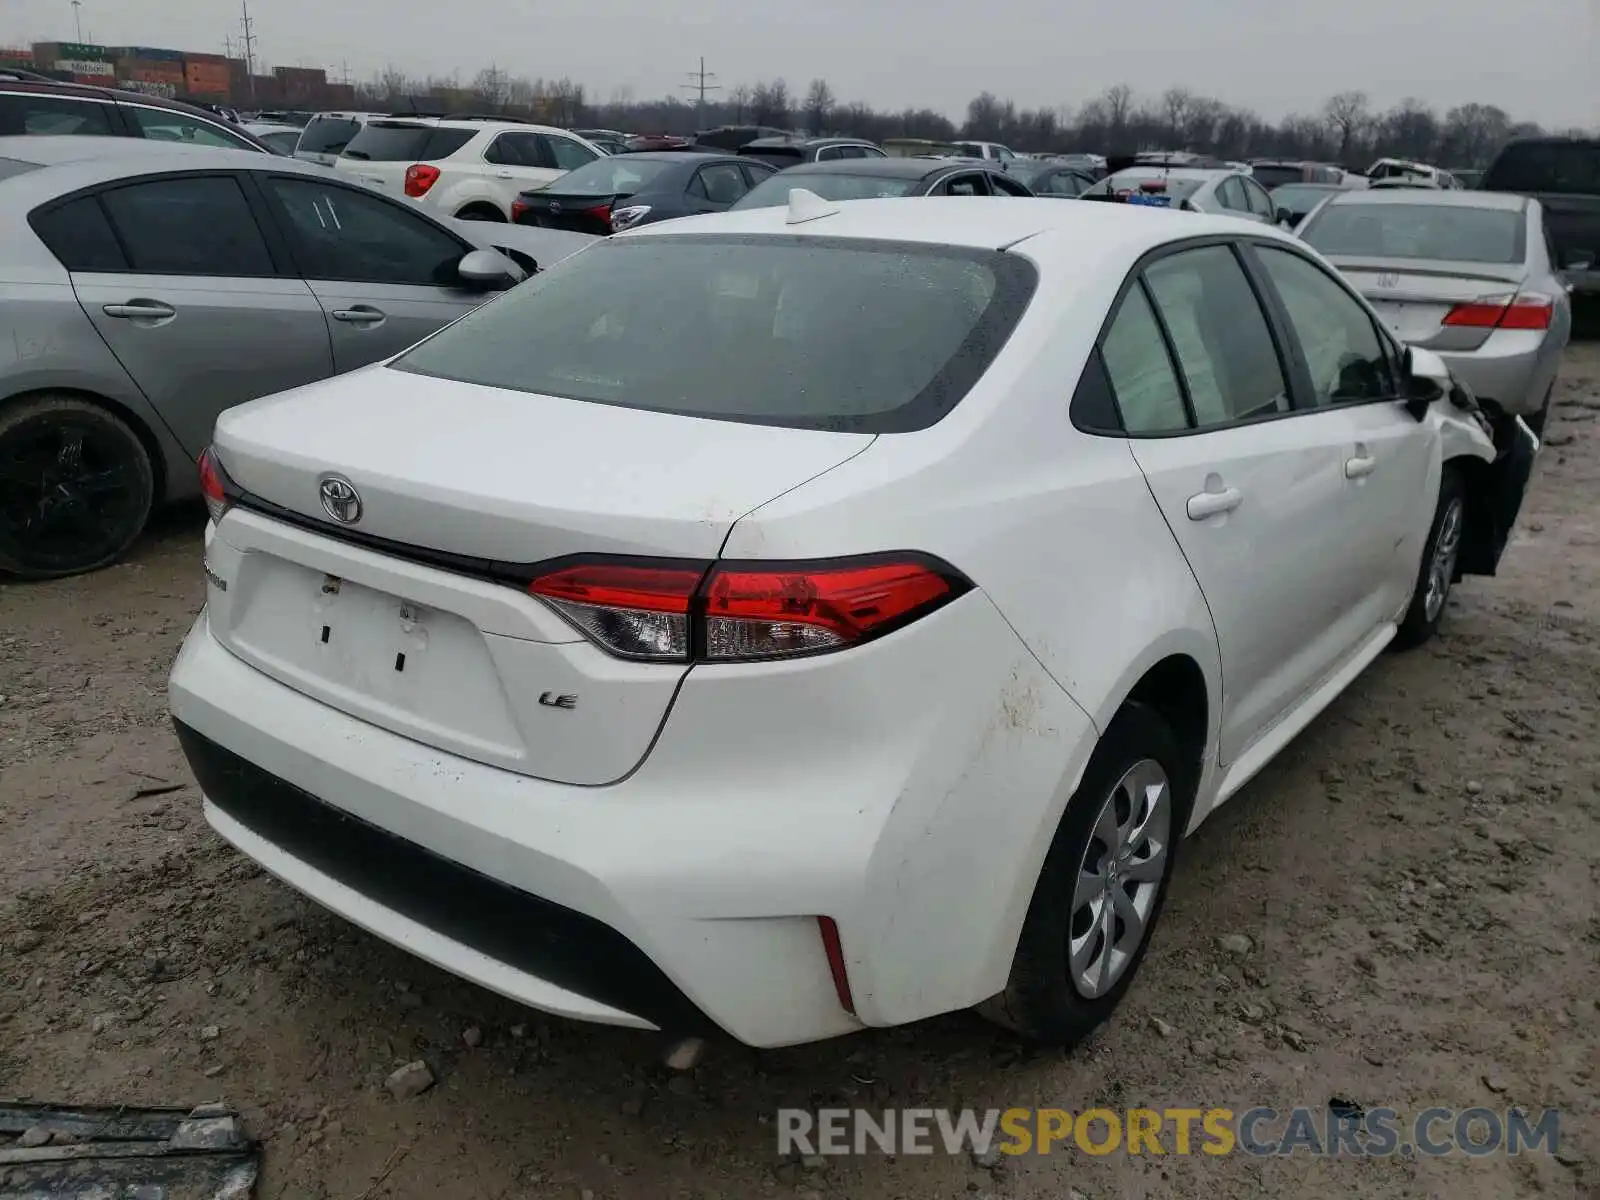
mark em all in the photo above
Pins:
pixel 186 292
pixel 716 186
pixel 384 274
pixel 1250 487
pixel 24 112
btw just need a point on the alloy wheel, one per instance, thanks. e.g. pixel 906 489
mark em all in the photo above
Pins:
pixel 67 494
pixel 1442 570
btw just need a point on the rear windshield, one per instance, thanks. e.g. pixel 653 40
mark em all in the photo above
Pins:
pixel 611 176
pixel 1300 197
pixel 778 156
pixel 1134 181
pixel 1564 168
pixel 1444 232
pixel 395 141
pixel 774 191
pixel 1271 177
pixel 328 135
pixel 807 332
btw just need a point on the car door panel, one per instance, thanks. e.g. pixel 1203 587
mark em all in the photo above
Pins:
pixel 196 312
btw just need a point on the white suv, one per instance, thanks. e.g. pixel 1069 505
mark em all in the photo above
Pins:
pixel 466 167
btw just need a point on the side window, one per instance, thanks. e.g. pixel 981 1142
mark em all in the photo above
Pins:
pixel 514 150
pixel 1140 369
pixel 1004 185
pixel 159 125
pixel 37 113
pixel 1220 334
pixel 79 234
pixel 1346 357
pixel 755 172
pixel 343 234
pixel 721 183
pixel 966 185
pixel 829 153
pixel 1231 193
pixel 188 227
pixel 1260 203
pixel 872 152
pixel 567 154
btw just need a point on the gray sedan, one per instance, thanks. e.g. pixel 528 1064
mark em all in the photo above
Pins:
pixel 1469 275
pixel 149 287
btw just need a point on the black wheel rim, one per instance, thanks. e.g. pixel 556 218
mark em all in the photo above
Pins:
pixel 69 491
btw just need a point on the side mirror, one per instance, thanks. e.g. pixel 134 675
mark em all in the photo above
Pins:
pixel 1285 217
pixel 488 270
pixel 1424 378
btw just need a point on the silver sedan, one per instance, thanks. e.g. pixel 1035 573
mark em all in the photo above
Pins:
pixel 1469 275
pixel 148 286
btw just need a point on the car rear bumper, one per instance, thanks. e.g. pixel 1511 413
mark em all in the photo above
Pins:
pixel 1514 368
pixel 914 812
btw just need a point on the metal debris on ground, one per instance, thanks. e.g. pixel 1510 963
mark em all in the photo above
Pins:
pixel 152 1153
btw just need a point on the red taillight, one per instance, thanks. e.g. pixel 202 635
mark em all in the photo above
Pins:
pixel 212 485
pixel 1153 185
pixel 1524 311
pixel 732 611
pixel 419 178
pixel 519 209
pixel 600 212
pixel 835 952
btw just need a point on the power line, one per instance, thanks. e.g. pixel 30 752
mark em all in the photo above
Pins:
pixel 699 83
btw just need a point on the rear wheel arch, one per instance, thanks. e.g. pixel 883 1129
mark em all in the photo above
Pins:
pixel 480 210
pixel 147 436
pixel 1175 690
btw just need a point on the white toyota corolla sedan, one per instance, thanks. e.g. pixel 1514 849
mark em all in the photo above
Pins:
pixel 814 618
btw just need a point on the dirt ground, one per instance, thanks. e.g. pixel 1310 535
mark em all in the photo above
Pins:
pixel 1418 876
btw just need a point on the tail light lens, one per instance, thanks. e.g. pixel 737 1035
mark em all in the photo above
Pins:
pixel 625 218
pixel 519 209
pixel 215 485
pixel 1526 310
pixel 419 178
pixel 600 212
pixel 741 612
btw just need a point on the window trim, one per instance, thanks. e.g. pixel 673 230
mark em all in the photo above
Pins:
pixel 137 130
pixel 282 265
pixel 273 206
pixel 705 193
pixel 1296 383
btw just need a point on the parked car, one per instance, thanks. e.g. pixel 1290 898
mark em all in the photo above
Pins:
pixel 1293 202
pixel 468 167
pixel 1216 190
pixel 31 107
pixel 662 141
pixel 611 141
pixel 788 152
pixel 1414 182
pixel 1563 175
pixel 1468 178
pixel 1051 177
pixel 1386 169
pixel 327 134
pixel 1274 173
pixel 1471 276
pixel 616 193
pixel 149 287
pixel 652 644
pixel 867 179
pixel 728 138
pixel 988 151
pixel 280 139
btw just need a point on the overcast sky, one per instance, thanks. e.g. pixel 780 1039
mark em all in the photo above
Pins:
pixel 1538 59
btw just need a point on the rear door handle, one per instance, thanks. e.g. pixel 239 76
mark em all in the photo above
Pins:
pixel 1361 465
pixel 504 175
pixel 1211 504
pixel 148 309
pixel 361 314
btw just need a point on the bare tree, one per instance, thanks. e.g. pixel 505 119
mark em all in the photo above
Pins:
pixel 1118 101
pixel 820 102
pixel 1176 104
pixel 740 97
pixel 1346 113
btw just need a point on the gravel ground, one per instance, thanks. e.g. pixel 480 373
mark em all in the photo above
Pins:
pixel 1416 876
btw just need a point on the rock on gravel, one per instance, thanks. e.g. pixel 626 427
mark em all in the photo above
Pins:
pixel 1236 944
pixel 410 1080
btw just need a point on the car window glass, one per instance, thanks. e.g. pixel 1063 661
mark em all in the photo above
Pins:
pixel 1231 194
pixel 1342 348
pixel 514 150
pixel 827 153
pixel 755 172
pixel 1141 371
pixel 722 183
pixel 328 135
pixel 1220 334
pixel 31 113
pixel 567 154
pixel 1004 185
pixel 340 233
pixel 966 185
pixel 80 236
pixel 159 125
pixel 1257 198
pixel 188 227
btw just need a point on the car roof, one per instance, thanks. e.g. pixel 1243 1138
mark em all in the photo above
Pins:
pixel 889 168
pixel 1155 171
pixel 74 162
pixel 1463 198
pixel 979 222
pixel 689 157
pixel 767 143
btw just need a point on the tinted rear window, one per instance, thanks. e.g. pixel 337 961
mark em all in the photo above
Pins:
pixel 610 176
pixel 812 333
pixel 774 191
pixel 778 156
pixel 1564 168
pixel 388 141
pixel 1444 232
pixel 1271 177
pixel 328 135
pixel 1299 197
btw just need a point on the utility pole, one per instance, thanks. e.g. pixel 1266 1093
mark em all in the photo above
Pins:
pixel 699 83
pixel 227 45
pixel 248 39
pixel 77 17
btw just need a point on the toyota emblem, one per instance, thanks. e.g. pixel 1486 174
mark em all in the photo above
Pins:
pixel 555 206
pixel 340 500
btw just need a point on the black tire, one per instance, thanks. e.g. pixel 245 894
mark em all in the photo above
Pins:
pixel 1041 1000
pixel 76 487
pixel 481 212
pixel 1422 619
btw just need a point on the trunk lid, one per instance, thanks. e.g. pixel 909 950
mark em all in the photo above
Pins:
pixel 1413 297
pixel 425 641
pixel 585 213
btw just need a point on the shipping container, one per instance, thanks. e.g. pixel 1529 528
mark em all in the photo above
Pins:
pixel 145 87
pixel 340 95
pixel 194 56
pixel 84 67
pixel 154 54
pixel 17 56
pixel 301 74
pixel 207 76
pixel 149 70
pixel 105 81
pixel 72 51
